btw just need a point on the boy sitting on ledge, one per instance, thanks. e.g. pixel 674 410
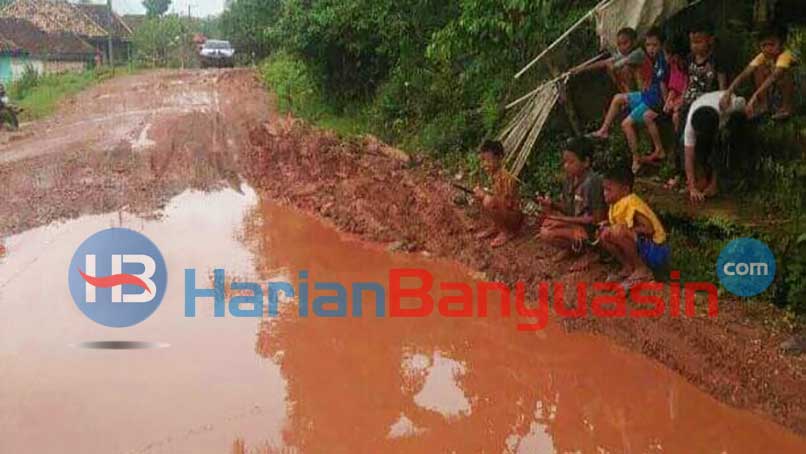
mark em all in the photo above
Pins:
pixel 633 234
pixel 772 72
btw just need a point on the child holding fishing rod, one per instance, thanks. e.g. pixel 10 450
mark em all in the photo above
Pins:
pixel 502 207
pixel 570 223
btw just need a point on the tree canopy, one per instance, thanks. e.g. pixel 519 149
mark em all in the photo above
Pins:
pixel 156 8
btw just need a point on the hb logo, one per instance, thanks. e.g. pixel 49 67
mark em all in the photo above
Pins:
pixel 117 277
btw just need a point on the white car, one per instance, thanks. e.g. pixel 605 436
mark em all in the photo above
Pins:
pixel 217 53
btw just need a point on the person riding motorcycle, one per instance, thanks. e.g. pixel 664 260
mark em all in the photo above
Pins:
pixel 6 110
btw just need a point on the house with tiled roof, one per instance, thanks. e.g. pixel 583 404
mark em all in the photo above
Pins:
pixel 24 44
pixel 93 23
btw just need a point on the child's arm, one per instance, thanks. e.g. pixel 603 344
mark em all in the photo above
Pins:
pixel 642 226
pixel 670 102
pixel 597 217
pixel 691 177
pixel 601 64
pixel 722 78
pixel 777 74
pixel 581 220
pixel 724 103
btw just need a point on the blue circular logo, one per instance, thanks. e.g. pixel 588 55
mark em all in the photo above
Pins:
pixel 746 267
pixel 117 277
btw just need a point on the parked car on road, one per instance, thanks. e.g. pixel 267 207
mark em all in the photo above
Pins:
pixel 217 53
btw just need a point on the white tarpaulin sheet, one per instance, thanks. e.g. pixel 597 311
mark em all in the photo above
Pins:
pixel 638 14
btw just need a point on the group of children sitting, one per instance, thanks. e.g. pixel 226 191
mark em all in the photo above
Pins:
pixel 690 86
pixel 602 210
pixel 592 210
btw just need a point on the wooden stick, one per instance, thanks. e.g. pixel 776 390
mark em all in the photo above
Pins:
pixel 463 188
pixel 561 76
pixel 561 38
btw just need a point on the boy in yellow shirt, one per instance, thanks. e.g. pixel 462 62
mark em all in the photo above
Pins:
pixel 772 72
pixel 633 233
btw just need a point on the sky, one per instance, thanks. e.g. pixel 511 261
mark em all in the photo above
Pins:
pixel 198 8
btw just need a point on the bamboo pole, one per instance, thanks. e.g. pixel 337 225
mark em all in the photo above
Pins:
pixel 561 38
pixel 561 76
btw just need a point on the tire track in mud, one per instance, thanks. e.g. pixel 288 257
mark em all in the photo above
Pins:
pixel 133 142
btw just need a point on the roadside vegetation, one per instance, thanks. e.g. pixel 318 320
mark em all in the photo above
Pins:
pixel 433 77
pixel 167 40
pixel 39 95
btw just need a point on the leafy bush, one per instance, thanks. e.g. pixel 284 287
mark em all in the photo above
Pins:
pixel 28 81
pixel 291 80
pixel 38 95
pixel 164 41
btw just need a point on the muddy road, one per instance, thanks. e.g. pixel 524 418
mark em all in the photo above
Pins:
pixel 200 163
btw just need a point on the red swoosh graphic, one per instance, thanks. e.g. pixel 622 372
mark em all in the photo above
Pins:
pixel 114 280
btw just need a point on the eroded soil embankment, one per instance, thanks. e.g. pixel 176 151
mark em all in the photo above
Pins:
pixel 363 191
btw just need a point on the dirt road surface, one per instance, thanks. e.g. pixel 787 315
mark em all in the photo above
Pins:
pixel 199 162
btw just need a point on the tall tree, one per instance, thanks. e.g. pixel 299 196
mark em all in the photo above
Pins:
pixel 156 8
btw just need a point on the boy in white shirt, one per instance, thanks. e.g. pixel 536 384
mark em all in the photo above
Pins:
pixel 705 119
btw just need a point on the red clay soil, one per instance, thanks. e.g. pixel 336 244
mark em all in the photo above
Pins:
pixel 134 142
pixel 412 206
pixel 130 143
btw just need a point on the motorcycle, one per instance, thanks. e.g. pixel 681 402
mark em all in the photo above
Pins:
pixel 8 111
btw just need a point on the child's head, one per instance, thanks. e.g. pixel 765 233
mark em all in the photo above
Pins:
pixel 705 122
pixel 701 38
pixel 491 154
pixel 653 42
pixel 676 46
pixel 617 183
pixel 577 157
pixel 772 40
pixel 626 39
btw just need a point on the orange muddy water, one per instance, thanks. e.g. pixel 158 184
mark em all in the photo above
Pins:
pixel 319 385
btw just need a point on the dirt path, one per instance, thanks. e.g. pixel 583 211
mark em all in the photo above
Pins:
pixel 131 142
pixel 134 142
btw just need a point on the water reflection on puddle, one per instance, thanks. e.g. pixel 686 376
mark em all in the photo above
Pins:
pixel 440 391
pixel 312 384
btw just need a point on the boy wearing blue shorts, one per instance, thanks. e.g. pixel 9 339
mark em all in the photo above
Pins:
pixel 644 106
pixel 633 234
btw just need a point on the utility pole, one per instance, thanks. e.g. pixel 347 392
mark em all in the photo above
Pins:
pixel 111 22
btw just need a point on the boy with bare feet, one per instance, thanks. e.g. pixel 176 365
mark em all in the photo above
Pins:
pixel 644 106
pixel 502 207
pixel 633 233
pixel 772 72
pixel 705 118
pixel 571 222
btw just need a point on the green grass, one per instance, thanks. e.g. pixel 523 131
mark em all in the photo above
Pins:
pixel 40 95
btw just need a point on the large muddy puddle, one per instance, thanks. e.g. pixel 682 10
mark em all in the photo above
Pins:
pixel 313 384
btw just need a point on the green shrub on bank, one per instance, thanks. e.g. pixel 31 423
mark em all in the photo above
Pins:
pixel 291 81
pixel 39 94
